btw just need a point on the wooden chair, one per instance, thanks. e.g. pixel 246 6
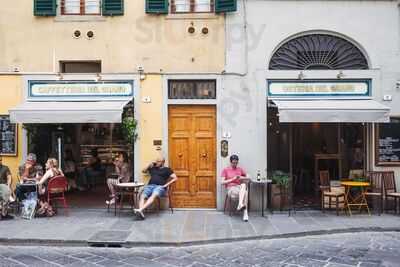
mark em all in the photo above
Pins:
pixel 326 191
pixel 376 188
pixel 168 193
pixel 390 188
pixel 56 188
pixel 229 203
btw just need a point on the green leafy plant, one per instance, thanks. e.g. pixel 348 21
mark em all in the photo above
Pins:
pixel 280 178
pixel 129 129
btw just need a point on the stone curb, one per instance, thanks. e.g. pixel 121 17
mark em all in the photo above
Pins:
pixel 129 244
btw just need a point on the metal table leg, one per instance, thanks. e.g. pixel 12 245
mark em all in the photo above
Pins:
pixel 262 200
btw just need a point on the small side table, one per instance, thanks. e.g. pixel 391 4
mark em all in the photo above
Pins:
pixel 263 184
pixel 130 189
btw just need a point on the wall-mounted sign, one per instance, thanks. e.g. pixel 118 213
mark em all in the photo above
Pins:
pixel 224 148
pixel 8 136
pixel 311 88
pixel 67 90
pixel 387 143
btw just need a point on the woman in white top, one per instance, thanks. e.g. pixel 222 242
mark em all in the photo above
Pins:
pixel 52 170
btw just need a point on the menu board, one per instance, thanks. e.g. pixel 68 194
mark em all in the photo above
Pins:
pixel 8 136
pixel 387 143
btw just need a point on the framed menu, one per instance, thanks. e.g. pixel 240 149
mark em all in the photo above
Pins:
pixel 8 136
pixel 387 143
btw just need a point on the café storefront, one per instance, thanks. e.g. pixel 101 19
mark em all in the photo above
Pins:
pixel 316 125
pixel 76 117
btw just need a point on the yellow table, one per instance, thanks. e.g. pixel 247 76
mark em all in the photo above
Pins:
pixel 359 201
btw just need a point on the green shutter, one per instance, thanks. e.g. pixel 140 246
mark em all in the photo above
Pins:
pixel 44 7
pixel 113 7
pixel 225 6
pixel 157 6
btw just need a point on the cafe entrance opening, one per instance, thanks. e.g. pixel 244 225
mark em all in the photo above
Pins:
pixel 302 150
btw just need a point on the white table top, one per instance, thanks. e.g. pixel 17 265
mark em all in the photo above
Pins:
pixel 135 184
pixel 261 181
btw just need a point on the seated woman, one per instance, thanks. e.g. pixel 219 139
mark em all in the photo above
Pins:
pixel 52 170
pixel 92 171
pixel 70 169
pixel 123 171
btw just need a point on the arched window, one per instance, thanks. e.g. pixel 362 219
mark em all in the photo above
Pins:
pixel 318 52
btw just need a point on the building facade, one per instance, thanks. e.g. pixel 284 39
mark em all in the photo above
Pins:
pixel 72 65
pixel 299 67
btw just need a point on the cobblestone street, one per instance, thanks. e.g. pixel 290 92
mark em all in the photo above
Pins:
pixel 340 250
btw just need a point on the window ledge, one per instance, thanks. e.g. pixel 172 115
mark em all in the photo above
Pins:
pixel 193 16
pixel 75 18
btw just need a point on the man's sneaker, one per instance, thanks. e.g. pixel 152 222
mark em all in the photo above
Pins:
pixel 139 214
pixel 245 216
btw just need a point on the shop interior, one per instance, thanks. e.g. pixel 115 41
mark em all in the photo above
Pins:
pixel 76 142
pixel 304 149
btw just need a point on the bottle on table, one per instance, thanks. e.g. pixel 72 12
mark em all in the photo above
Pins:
pixel 258 176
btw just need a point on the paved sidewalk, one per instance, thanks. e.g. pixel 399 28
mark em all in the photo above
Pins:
pixel 182 227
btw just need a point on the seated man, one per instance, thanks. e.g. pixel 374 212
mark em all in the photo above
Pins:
pixel 160 178
pixel 234 178
pixel 93 170
pixel 30 173
pixel 5 189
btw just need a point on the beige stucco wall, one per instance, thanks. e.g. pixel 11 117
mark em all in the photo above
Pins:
pixel 150 121
pixel 156 42
pixel 10 86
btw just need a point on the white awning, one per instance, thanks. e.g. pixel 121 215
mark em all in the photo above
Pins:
pixel 68 112
pixel 332 111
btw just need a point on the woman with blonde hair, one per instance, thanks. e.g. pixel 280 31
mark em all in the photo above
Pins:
pixel 52 170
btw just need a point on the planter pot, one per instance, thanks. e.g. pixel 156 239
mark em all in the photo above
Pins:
pixel 279 197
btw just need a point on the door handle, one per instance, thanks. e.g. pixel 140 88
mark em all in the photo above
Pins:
pixel 180 155
pixel 204 155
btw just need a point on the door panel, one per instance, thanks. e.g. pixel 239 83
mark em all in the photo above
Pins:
pixel 192 155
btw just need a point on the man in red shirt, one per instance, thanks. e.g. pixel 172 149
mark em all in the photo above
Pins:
pixel 235 179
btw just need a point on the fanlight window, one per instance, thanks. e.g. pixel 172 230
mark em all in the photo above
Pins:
pixel 318 51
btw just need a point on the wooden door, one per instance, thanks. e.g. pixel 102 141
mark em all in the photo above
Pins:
pixel 192 153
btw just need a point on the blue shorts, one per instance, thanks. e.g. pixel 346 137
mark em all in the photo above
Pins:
pixel 150 189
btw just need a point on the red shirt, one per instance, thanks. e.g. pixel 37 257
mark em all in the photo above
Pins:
pixel 229 173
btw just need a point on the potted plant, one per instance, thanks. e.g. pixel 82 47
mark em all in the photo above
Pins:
pixel 129 131
pixel 279 189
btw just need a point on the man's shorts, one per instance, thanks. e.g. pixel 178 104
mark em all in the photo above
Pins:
pixel 234 191
pixel 150 189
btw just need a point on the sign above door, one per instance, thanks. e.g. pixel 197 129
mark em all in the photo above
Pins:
pixel 319 88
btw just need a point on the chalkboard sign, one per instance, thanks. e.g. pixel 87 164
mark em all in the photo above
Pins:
pixel 8 136
pixel 387 143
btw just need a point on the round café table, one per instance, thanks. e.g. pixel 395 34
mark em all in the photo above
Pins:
pixel 129 189
pixel 358 200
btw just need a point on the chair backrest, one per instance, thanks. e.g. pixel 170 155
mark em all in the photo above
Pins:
pixel 389 181
pixel 57 184
pixel 375 179
pixel 324 179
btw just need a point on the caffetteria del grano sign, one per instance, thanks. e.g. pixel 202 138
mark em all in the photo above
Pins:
pixel 285 88
pixel 79 89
